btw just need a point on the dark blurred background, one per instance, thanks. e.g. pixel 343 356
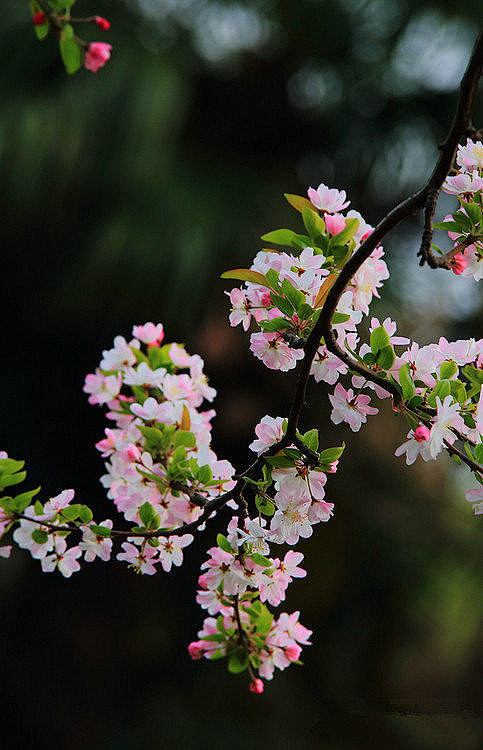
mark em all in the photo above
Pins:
pixel 125 195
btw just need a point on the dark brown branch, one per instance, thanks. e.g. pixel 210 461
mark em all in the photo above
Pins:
pixel 459 127
pixel 463 457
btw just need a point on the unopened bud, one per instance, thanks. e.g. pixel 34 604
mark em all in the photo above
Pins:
pixel 132 452
pixel 39 18
pixel 102 23
pixel 421 434
pixel 458 263
pixel 257 686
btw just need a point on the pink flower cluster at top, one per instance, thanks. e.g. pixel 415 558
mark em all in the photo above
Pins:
pixel 467 186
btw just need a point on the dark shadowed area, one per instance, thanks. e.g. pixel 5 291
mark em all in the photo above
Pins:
pixel 125 195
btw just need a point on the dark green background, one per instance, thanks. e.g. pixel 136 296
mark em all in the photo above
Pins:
pixel 124 195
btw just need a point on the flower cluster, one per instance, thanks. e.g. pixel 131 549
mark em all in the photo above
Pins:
pixel 439 385
pixel 465 225
pixel 239 578
pixel 55 15
pixel 161 472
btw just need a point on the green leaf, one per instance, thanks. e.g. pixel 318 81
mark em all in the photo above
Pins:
pixel 261 560
pixel 338 318
pixel 264 622
pixel 39 536
pixel 282 304
pixel 85 514
pixel 218 654
pixel 332 454
pixel 298 202
pixel 184 438
pixel 279 462
pixel 474 212
pixel 276 324
pixel 153 435
pixel 245 274
pixel 458 391
pixel 448 369
pixel 69 50
pixel 286 237
pixel 448 226
pixel 71 512
pixel 386 357
pixel 313 223
pixel 38 508
pixel 442 389
pixel 292 294
pixel 273 279
pixel 22 501
pixel 224 544
pixel 305 311
pixel 100 530
pixel 10 465
pixel 351 227
pixel 311 439
pixel 266 507
pixel 238 661
pixel 11 479
pixel 42 30
pixel 406 381
pixel 473 374
pixel 379 339
pixel 146 513
pixel 205 474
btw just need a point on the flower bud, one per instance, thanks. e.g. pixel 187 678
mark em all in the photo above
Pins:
pixel 202 581
pixel 97 54
pixel 132 452
pixel 39 18
pixel 421 434
pixel 458 263
pixel 257 686
pixel 334 223
pixel 292 652
pixel 333 467
pixel 196 649
pixel 102 23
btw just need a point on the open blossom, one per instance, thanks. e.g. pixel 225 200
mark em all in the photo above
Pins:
pixel 171 550
pixel 476 496
pixel 327 367
pixel 417 445
pixel 268 431
pixel 349 408
pixel 149 333
pixel 474 262
pixel 463 183
pixel 335 223
pixel 327 199
pixel 274 352
pixel 447 417
pixel 241 310
pixel 291 519
pixel 96 546
pixel 470 157
pixel 140 559
pixel 64 559
pixel 102 388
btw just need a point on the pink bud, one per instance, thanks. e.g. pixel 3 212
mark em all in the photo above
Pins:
pixel 334 223
pixel 196 649
pixel 333 467
pixel 132 452
pixel 102 23
pixel 458 263
pixel 202 581
pixel 421 434
pixel 257 686
pixel 292 652
pixel 97 54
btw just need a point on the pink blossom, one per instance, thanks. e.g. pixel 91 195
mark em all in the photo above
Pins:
pixel 274 352
pixel 268 431
pixel 470 156
pixel 291 519
pixel 96 546
pixel 96 56
pixel 326 199
pixel 447 417
pixel 149 333
pixel 476 496
pixel 141 560
pixel 463 183
pixel 458 264
pixel 196 649
pixel 334 223
pixel 349 408
pixel 413 448
pixel 327 367
pixel 171 550
pixel 64 559
pixel 240 311
pixel 103 388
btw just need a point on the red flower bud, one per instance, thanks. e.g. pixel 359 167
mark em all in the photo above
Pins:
pixel 458 263
pixel 39 18
pixel 256 686
pixel 102 23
